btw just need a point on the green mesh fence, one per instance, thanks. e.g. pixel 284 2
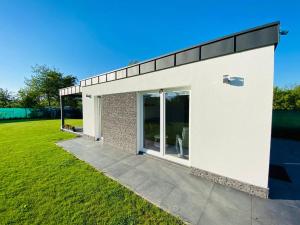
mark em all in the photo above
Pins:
pixel 286 124
pixel 14 113
pixel 36 113
pixel 28 113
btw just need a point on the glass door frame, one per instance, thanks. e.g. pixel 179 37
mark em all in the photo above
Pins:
pixel 161 153
pixel 98 118
pixel 141 130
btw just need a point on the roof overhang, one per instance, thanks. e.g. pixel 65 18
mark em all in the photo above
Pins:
pixel 257 37
pixel 74 90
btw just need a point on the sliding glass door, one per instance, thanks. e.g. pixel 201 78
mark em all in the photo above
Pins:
pixel 166 123
pixel 177 124
pixel 151 121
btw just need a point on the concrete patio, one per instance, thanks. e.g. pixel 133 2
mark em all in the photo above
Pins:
pixel 171 187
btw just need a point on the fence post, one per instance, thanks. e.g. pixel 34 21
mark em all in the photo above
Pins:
pixel 62 115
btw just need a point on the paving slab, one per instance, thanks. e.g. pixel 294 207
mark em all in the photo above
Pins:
pixel 117 169
pixel 231 198
pixel 155 190
pixel 134 160
pixel 215 214
pixel 102 162
pixel 187 205
pixel 227 206
pixel 196 200
pixel 274 212
pixel 133 178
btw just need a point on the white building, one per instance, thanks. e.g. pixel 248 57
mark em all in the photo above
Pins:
pixel 208 107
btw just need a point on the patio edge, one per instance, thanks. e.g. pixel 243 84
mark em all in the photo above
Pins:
pixel 226 181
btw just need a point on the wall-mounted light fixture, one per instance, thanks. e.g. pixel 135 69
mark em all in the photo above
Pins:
pixel 88 96
pixel 283 32
pixel 233 81
pixel 226 79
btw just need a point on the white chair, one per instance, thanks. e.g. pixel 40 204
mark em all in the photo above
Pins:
pixel 182 140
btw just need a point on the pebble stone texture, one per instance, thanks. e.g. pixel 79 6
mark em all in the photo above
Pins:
pixel 119 121
pixel 238 185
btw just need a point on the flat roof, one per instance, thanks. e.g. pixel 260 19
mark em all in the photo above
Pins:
pixel 257 37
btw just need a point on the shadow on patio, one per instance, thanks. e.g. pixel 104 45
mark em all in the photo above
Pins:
pixel 284 182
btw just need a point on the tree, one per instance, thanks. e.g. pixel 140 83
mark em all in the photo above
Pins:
pixel 43 86
pixel 287 98
pixel 6 98
pixel 296 94
pixel 29 98
pixel 132 62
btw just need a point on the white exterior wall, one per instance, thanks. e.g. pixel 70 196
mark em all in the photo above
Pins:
pixel 230 125
pixel 88 114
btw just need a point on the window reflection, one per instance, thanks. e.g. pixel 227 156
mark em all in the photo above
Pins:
pixel 177 124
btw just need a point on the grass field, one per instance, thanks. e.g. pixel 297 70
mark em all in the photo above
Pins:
pixel 74 122
pixel 42 184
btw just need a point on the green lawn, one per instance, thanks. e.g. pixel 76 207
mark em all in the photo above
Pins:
pixel 42 184
pixel 74 122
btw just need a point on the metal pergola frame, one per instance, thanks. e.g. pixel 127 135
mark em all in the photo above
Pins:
pixel 74 91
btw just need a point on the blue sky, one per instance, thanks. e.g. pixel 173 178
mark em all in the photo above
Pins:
pixel 84 38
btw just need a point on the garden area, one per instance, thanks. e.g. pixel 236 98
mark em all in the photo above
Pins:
pixel 43 184
pixel 286 113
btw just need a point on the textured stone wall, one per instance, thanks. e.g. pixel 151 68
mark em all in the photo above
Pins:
pixel 119 121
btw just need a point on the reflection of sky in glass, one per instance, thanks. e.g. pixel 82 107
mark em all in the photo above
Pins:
pixel 152 95
pixel 171 95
